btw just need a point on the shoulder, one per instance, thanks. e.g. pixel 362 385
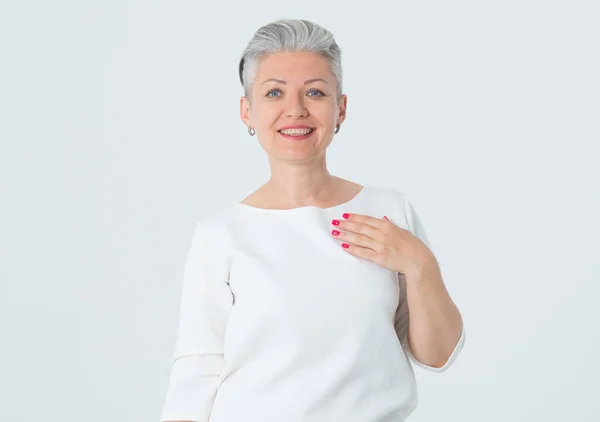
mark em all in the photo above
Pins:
pixel 402 211
pixel 213 229
pixel 387 196
pixel 395 204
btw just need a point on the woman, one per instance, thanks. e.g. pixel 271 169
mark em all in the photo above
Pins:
pixel 295 300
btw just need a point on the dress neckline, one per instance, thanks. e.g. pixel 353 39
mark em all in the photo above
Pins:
pixel 304 207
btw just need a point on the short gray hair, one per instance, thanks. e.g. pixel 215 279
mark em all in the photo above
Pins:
pixel 289 35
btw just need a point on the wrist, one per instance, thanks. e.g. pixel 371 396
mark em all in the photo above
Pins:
pixel 426 273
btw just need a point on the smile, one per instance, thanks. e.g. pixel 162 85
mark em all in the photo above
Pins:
pixel 296 132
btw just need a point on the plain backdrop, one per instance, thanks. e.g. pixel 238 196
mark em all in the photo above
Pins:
pixel 119 129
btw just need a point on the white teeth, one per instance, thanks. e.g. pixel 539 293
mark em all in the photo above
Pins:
pixel 296 132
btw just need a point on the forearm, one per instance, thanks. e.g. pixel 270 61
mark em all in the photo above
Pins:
pixel 435 323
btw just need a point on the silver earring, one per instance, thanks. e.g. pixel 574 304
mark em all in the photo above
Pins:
pixel 251 131
pixel 337 129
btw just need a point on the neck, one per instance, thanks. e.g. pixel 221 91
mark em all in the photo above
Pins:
pixel 301 184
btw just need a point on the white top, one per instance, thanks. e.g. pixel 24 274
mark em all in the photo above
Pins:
pixel 279 323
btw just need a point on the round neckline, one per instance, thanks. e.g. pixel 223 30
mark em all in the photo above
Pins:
pixel 304 207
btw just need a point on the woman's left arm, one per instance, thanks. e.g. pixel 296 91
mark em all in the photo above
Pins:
pixel 435 329
pixel 435 324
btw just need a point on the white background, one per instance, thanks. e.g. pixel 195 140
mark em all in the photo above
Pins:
pixel 119 129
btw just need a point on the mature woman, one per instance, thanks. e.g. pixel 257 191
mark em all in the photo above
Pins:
pixel 295 301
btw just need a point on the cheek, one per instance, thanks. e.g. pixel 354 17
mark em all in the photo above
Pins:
pixel 326 113
pixel 268 116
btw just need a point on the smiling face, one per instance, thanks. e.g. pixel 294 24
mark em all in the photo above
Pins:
pixel 294 107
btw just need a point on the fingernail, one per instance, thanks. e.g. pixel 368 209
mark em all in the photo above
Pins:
pixel 386 218
pixel 345 245
pixel 346 215
pixel 335 232
pixel 336 222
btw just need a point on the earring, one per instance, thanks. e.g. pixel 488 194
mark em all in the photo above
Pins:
pixel 251 131
pixel 337 129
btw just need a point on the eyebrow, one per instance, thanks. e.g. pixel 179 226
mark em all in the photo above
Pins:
pixel 285 83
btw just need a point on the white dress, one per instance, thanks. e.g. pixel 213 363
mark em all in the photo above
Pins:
pixel 279 324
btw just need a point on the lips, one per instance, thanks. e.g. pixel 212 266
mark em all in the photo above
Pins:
pixel 296 129
pixel 297 134
pixel 300 127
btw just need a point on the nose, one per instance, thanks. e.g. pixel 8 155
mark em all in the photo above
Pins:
pixel 295 107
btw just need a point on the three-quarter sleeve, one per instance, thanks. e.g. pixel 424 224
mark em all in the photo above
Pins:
pixel 204 307
pixel 401 321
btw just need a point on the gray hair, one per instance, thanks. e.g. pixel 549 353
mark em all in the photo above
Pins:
pixel 289 35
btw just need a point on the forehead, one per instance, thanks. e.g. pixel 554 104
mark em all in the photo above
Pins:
pixel 293 67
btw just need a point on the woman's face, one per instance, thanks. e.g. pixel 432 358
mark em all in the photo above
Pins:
pixel 293 92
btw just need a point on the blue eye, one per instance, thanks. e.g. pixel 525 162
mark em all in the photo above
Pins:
pixel 272 91
pixel 317 91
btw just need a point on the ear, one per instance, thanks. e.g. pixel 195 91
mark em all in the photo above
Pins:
pixel 342 106
pixel 245 111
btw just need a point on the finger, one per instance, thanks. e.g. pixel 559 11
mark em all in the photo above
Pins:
pixel 360 228
pixel 365 219
pixel 356 239
pixel 361 252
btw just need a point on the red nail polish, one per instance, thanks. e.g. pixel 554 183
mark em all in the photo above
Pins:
pixel 336 222
pixel 346 215
pixel 335 232
pixel 345 245
pixel 386 218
